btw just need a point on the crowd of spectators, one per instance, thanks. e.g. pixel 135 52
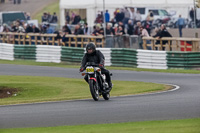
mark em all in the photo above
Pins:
pixel 125 22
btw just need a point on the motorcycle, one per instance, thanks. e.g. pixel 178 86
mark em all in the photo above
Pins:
pixel 97 81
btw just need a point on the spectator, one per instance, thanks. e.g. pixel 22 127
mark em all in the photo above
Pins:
pixel 164 33
pixel 54 18
pixel 45 17
pixel 150 17
pixel 66 29
pixel 78 30
pixel 130 29
pixel 120 31
pixel 192 14
pixel 5 28
pixel 28 29
pixel 67 17
pixel 96 31
pixel 27 15
pixel 147 25
pixel 99 18
pixel 157 31
pixel 119 16
pixel 107 16
pixel 77 19
pixel 180 24
pixel 109 30
pixel 49 29
pixel 137 28
pixel 126 16
pixel 138 17
pixel 86 29
pixel 132 15
pixel 35 29
pixel 144 33
pixel 49 17
pixel 72 16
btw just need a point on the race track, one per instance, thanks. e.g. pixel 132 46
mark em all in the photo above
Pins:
pixel 179 104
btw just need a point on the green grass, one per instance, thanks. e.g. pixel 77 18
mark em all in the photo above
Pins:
pixel 41 89
pixel 53 7
pixel 68 65
pixel 170 126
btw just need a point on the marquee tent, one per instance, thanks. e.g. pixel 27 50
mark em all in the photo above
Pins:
pixel 93 6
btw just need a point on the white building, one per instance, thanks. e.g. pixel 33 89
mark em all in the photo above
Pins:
pixel 93 6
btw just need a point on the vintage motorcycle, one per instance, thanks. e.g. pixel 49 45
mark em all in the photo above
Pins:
pixel 97 81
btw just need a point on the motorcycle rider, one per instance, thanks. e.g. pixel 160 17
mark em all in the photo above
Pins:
pixel 93 55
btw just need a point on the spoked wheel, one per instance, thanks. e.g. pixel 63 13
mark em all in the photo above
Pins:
pixel 106 96
pixel 93 89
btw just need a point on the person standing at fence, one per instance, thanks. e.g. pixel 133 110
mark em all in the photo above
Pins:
pixel 144 33
pixel 164 33
pixel 180 24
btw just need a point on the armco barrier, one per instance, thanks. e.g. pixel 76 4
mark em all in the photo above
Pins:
pixel 48 54
pixel 124 57
pixel 70 54
pixel 186 60
pixel 6 51
pixel 151 59
pixel 25 52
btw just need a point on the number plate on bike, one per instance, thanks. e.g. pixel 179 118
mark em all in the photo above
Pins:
pixel 90 70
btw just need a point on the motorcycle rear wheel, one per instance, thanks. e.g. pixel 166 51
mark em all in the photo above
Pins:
pixel 93 90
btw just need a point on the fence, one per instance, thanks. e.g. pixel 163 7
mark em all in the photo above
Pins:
pixel 49 39
pixel 172 44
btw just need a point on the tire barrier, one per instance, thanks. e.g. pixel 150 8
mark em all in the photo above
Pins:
pixel 73 55
pixel 151 59
pixel 124 57
pixel 6 51
pixel 45 53
pixel 25 52
pixel 119 57
pixel 185 60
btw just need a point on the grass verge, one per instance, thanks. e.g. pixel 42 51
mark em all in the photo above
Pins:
pixel 33 89
pixel 170 126
pixel 68 65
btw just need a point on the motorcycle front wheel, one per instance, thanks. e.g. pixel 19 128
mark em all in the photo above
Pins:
pixel 93 90
pixel 106 96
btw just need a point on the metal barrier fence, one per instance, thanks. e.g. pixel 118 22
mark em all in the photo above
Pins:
pixel 171 44
pixel 124 41
pixel 50 39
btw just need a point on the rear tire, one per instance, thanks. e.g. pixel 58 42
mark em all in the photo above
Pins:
pixel 93 90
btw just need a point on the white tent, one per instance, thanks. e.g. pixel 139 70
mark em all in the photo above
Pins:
pixel 92 6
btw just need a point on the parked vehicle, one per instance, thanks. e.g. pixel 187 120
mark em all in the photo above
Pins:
pixel 9 16
pixel 158 13
pixel 97 81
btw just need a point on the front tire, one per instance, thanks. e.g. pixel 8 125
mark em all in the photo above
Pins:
pixel 106 96
pixel 93 90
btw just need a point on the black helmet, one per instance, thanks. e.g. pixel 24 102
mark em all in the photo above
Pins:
pixel 91 46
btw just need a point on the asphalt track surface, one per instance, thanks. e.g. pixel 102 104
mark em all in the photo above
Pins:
pixel 179 104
